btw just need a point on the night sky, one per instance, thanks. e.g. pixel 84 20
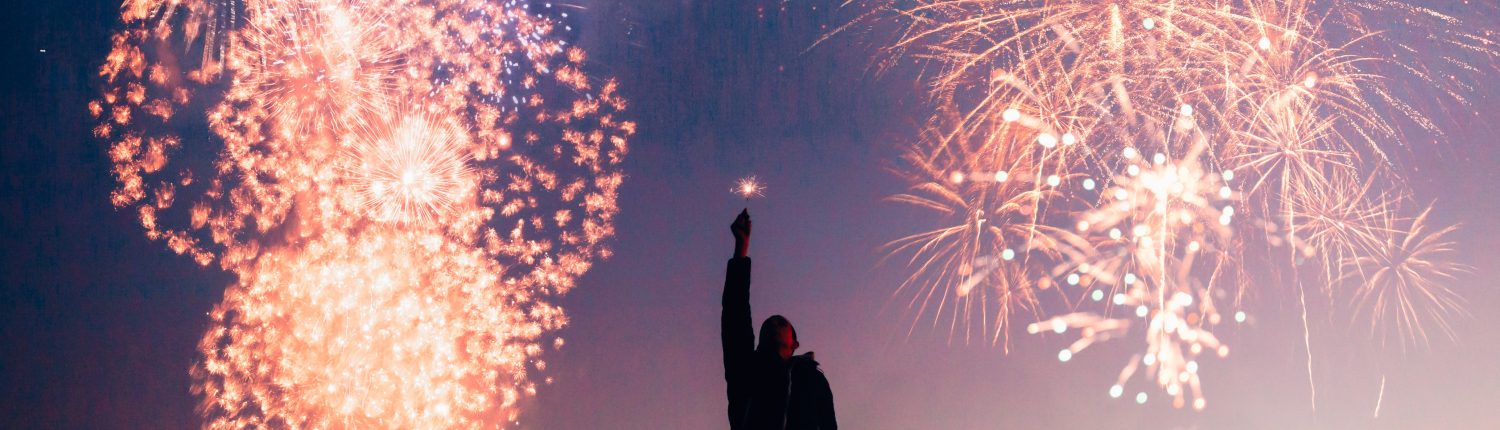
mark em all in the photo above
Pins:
pixel 98 325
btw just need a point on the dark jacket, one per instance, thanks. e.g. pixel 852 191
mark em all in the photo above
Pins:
pixel 764 391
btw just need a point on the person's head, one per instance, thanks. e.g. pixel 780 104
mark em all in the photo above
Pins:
pixel 778 336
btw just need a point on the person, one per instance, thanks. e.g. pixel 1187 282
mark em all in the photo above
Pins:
pixel 768 386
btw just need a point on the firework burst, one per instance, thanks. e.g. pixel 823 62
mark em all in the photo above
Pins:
pixel 1402 286
pixel 1133 153
pixel 400 187
pixel 411 171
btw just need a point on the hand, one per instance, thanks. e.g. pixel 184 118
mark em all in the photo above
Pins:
pixel 741 230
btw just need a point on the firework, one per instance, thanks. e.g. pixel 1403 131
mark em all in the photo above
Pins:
pixel 400 187
pixel 1401 286
pixel 414 170
pixel 1132 153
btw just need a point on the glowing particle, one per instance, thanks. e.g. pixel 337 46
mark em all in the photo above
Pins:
pixel 1115 391
pixel 1002 176
pixel 1047 140
pixel 1064 355
pixel 1008 254
pixel 1239 316
pixel 1097 295
pixel 1264 44
pixel 1119 299
pixel 1140 398
pixel 1148 23
pixel 1088 184
pixel 1141 311
pixel 1011 115
pixel 1053 180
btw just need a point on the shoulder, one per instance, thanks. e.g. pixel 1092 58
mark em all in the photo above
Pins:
pixel 805 366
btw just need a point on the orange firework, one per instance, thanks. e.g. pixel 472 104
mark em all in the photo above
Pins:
pixel 401 188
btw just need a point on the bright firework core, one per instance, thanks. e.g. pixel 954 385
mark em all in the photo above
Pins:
pixel 413 171
pixel 401 188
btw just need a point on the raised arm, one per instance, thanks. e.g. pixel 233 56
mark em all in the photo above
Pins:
pixel 738 335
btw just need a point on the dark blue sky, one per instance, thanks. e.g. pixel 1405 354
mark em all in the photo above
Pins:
pixel 98 326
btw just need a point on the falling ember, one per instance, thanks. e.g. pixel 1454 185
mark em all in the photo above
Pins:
pixel 402 189
pixel 749 187
pixel 1208 131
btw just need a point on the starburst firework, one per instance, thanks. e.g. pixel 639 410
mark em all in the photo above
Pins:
pixel 1133 152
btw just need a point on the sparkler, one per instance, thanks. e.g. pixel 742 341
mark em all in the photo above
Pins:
pixel 1131 153
pixel 749 187
pixel 401 188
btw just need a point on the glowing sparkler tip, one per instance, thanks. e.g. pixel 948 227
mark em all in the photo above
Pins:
pixel 748 187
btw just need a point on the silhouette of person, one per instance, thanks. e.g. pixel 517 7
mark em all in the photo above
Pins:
pixel 769 387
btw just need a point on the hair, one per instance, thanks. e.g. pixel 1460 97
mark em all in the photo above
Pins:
pixel 769 328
